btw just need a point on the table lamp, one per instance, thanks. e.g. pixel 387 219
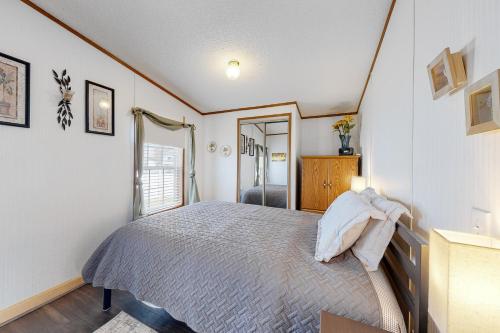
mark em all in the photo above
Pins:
pixel 358 184
pixel 464 282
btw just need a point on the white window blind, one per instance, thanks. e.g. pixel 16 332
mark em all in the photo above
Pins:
pixel 162 178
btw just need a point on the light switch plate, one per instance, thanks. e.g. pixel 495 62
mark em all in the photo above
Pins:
pixel 481 221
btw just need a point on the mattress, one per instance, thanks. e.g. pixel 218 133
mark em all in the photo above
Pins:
pixel 226 267
pixel 276 196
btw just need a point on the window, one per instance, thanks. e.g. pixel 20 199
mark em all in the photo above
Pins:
pixel 162 178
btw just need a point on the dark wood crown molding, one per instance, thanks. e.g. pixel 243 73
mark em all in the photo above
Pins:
pixel 252 108
pixel 374 61
pixel 108 53
pixel 330 115
pixel 164 89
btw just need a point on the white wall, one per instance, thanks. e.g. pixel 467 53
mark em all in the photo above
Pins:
pixel 63 192
pixel 414 148
pixel 318 137
pixel 386 112
pixel 220 182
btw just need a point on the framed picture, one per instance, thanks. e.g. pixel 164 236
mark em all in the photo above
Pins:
pixel 99 109
pixel 251 147
pixel 278 157
pixel 243 144
pixel 482 104
pixel 446 73
pixel 14 91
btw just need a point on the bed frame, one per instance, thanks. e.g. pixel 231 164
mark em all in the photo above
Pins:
pixel 406 263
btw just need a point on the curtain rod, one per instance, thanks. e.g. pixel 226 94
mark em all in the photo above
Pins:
pixel 136 108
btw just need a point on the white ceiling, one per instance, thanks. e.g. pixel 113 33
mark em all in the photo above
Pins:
pixel 315 52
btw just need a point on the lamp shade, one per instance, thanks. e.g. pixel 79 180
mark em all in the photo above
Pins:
pixel 464 282
pixel 358 184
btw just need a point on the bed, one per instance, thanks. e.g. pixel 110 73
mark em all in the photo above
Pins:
pixel 276 195
pixel 226 267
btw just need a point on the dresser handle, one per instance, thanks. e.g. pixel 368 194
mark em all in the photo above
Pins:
pixel 330 184
pixel 324 184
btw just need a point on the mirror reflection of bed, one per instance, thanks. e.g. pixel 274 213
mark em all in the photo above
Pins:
pixel 263 154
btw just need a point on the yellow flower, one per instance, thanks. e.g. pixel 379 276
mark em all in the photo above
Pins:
pixel 348 118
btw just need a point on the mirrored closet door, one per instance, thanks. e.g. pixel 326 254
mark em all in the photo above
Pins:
pixel 264 161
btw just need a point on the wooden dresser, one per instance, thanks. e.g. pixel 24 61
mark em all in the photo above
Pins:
pixel 324 178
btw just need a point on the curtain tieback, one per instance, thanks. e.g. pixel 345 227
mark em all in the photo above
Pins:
pixel 192 174
pixel 136 111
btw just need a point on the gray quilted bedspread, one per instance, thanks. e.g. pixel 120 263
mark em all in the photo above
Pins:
pixel 226 267
pixel 276 196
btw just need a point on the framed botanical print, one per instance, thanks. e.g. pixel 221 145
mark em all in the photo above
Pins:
pixel 243 144
pixel 99 109
pixel 14 91
pixel 251 147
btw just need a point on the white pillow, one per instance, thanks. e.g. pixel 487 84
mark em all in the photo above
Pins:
pixel 392 209
pixel 342 224
pixel 371 245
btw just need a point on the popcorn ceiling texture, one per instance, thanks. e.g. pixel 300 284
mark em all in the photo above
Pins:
pixel 318 54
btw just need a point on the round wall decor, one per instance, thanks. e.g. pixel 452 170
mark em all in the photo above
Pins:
pixel 212 147
pixel 225 150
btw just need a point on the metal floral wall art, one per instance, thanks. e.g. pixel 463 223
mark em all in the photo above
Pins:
pixel 64 114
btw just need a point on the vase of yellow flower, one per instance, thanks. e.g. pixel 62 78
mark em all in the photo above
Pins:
pixel 344 127
pixel 344 141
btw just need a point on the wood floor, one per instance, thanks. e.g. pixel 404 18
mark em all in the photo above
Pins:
pixel 80 312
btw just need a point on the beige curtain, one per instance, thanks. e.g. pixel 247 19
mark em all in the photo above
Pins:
pixel 172 125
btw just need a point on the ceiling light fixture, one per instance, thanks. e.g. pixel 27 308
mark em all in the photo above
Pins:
pixel 233 70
